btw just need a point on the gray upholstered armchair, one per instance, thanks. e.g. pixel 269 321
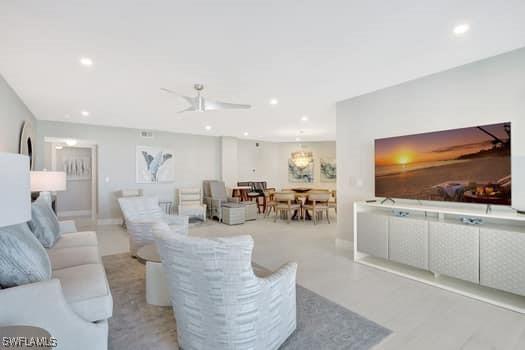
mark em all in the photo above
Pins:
pixel 140 213
pixel 216 197
pixel 218 301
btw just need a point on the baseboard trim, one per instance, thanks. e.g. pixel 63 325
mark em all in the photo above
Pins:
pixel 344 244
pixel 110 221
pixel 71 213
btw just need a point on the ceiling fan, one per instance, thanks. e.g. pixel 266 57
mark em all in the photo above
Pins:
pixel 201 104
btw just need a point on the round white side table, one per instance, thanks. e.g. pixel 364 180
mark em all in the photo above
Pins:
pixel 157 292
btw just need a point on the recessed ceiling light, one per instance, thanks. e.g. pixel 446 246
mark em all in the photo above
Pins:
pixel 245 133
pixel 304 118
pixel 59 147
pixel 85 113
pixel 71 142
pixel 273 101
pixel 86 61
pixel 461 29
pixel 207 127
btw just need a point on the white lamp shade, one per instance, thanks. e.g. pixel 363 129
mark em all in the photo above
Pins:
pixel 15 194
pixel 48 181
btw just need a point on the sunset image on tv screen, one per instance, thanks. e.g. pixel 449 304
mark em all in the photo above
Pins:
pixel 462 165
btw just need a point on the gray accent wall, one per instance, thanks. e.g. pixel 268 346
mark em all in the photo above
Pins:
pixel 483 92
pixel 197 158
pixel 13 112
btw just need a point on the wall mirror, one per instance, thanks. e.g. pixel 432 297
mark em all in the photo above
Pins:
pixel 26 146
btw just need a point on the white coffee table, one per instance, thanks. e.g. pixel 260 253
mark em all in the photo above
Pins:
pixel 157 292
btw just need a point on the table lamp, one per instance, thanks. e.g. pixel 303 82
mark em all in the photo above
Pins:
pixel 15 189
pixel 46 182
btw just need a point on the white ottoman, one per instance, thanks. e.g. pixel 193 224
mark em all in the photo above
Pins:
pixel 234 214
pixel 251 211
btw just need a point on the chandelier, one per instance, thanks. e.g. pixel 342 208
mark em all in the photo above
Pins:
pixel 301 159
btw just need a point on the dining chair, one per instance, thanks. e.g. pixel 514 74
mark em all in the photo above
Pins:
pixel 318 203
pixel 332 203
pixel 285 204
pixel 269 195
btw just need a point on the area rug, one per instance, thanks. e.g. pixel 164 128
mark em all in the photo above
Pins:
pixel 321 324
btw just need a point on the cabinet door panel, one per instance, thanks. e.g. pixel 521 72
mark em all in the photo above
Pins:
pixel 502 260
pixel 372 234
pixel 454 250
pixel 408 242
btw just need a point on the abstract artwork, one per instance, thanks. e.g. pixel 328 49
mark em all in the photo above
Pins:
pixel 328 170
pixel 299 173
pixel 154 165
pixel 77 168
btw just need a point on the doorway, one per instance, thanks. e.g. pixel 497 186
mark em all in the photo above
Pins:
pixel 78 160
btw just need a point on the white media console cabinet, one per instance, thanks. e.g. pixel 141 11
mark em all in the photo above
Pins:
pixel 432 245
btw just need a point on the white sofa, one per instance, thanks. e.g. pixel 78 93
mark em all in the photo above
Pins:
pixel 75 305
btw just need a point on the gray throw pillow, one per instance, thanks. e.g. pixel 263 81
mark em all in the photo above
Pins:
pixel 44 223
pixel 22 258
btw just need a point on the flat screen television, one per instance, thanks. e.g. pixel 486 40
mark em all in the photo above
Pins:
pixel 470 165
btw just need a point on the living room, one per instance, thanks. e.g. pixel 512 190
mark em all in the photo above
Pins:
pixel 341 185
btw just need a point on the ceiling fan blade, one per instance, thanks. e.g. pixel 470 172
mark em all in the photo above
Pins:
pixel 210 105
pixel 190 100
pixel 189 109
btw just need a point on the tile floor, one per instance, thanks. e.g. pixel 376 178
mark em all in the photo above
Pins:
pixel 420 316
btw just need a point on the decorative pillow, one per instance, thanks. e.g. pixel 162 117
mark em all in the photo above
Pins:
pixel 44 223
pixel 22 258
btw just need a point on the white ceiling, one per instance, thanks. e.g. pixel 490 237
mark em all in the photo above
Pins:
pixel 308 54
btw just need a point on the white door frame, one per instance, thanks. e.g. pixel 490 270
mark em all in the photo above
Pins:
pixel 94 171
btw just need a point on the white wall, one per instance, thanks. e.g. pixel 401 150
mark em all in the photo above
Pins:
pixel 484 92
pixel 13 112
pixel 197 158
pixel 229 151
pixel 269 162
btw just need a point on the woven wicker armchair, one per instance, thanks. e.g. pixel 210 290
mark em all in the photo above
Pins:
pixel 218 301
pixel 215 197
pixel 140 213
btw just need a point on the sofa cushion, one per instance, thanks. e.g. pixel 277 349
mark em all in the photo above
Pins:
pixel 76 239
pixel 73 256
pixel 87 291
pixel 44 222
pixel 22 258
